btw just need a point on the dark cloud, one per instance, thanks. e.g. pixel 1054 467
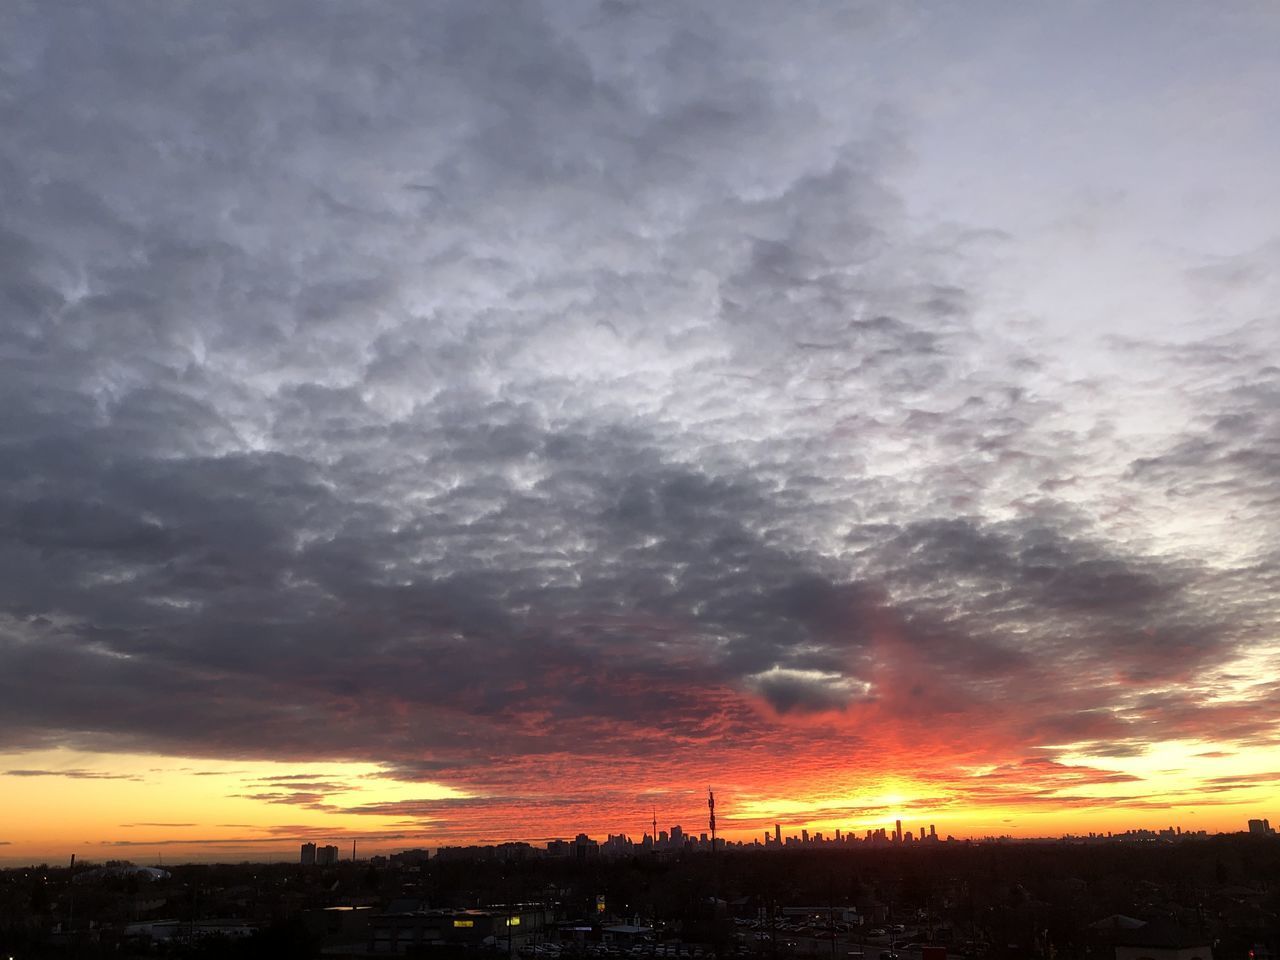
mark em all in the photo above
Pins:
pixel 298 798
pixel 463 392
pixel 803 691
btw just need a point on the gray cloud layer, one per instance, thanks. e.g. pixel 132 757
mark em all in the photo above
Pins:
pixel 436 384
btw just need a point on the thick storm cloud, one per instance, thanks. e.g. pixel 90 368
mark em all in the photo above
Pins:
pixel 499 393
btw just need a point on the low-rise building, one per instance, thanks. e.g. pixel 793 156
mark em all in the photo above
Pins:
pixel 396 933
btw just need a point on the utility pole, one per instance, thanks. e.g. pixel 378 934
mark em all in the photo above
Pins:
pixel 71 885
pixel 508 892
pixel 831 911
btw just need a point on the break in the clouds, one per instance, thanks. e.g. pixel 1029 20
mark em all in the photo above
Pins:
pixel 615 392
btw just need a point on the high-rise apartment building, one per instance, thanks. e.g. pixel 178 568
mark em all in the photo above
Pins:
pixel 326 856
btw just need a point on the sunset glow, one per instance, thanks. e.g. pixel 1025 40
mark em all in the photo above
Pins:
pixel 431 424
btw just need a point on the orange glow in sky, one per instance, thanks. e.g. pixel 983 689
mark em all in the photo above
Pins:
pixel 446 423
pixel 156 809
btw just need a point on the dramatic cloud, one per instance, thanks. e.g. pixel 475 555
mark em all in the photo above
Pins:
pixel 544 398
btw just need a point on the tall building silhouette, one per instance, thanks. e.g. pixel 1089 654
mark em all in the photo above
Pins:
pixel 327 855
pixel 711 806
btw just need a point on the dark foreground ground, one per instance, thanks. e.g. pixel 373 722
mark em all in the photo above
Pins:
pixel 1218 896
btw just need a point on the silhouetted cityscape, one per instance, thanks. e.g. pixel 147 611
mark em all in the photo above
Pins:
pixel 676 841
pixel 1165 894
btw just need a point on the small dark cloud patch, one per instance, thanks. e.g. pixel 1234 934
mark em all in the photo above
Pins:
pixel 804 693
pixel 1246 778
pixel 299 798
pixel 71 774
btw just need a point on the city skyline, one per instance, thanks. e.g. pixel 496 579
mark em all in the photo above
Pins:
pixel 431 423
pixel 330 846
pixel 676 841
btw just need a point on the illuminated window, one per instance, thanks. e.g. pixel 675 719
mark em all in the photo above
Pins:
pixel 464 923
pixel 513 922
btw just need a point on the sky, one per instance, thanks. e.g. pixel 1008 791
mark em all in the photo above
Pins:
pixel 427 424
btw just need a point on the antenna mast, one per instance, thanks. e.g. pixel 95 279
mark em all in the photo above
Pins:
pixel 711 806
